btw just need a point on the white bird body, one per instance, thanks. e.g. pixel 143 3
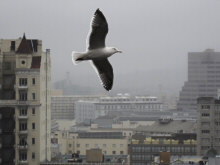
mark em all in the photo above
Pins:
pixel 93 54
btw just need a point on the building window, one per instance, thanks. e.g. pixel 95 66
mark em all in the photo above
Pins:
pixel 22 126
pixel 87 145
pixel 121 152
pixel 23 141
pixel 23 62
pixel 70 145
pixel 114 145
pixel 96 146
pixel 23 156
pixel 33 140
pixel 121 145
pixel 22 81
pixel 205 131
pixel 23 111
pixel 33 125
pixel 104 145
pixel 12 45
pixel 78 145
pixel 205 107
pixel 33 155
pixel 33 111
pixel 33 81
pixel 22 95
pixel 113 152
pixel 205 115
pixel 33 96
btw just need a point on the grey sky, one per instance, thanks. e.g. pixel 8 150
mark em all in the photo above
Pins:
pixel 155 35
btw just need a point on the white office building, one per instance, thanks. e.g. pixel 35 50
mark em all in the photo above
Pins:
pixel 88 110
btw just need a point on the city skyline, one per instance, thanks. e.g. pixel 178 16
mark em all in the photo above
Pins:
pixel 167 46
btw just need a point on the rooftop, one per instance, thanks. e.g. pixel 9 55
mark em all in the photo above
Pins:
pixel 174 126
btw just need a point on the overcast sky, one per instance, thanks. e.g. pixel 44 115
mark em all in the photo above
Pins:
pixel 154 35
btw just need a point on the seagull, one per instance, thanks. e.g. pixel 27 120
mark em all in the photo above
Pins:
pixel 97 52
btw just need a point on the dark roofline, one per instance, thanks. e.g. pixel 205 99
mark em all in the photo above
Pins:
pixel 24 47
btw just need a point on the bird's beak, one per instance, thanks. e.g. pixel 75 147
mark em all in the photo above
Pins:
pixel 119 51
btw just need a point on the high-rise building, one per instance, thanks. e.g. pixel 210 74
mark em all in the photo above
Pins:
pixel 203 78
pixel 208 132
pixel 24 102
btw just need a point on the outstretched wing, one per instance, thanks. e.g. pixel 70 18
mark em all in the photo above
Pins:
pixel 105 72
pixel 98 31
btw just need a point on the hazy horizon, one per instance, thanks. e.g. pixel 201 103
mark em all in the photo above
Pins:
pixel 155 37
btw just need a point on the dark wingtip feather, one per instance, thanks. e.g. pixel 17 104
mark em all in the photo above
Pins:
pixel 107 88
pixel 97 11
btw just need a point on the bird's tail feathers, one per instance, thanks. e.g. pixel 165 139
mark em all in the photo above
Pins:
pixel 77 57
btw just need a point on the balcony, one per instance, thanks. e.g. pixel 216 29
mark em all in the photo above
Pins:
pixel 22 147
pixel 22 117
pixel 21 87
pixel 23 132
pixel 23 102
pixel 23 162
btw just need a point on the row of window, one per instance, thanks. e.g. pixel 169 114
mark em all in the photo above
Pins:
pixel 164 148
pixel 23 126
pixel 205 107
pixel 154 106
pixel 23 81
pixel 127 100
pixel 205 114
pixel 23 141
pixel 205 131
pixel 23 156
pixel 96 145
pixel 23 111
pixel 23 96
pixel 208 139
pixel 113 152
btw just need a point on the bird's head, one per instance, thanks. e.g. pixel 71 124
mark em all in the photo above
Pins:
pixel 115 50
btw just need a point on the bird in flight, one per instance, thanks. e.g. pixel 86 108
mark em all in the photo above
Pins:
pixel 97 52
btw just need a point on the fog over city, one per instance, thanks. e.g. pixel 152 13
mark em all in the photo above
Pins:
pixel 154 35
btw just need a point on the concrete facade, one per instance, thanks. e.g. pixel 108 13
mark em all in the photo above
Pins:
pixel 208 132
pixel 25 88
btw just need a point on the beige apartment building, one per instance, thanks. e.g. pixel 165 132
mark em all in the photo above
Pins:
pixel 25 91
pixel 111 143
pixel 208 132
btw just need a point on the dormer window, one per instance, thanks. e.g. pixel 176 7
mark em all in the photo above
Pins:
pixel 12 45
